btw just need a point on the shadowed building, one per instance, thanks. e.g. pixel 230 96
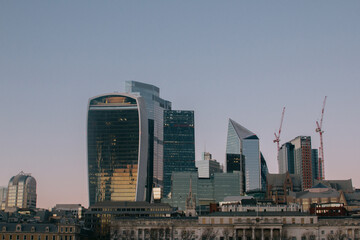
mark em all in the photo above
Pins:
pixel 117 129
pixel 179 144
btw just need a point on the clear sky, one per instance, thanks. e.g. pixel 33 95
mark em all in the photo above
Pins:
pixel 243 60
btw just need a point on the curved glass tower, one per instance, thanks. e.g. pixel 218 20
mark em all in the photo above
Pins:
pixel 117 139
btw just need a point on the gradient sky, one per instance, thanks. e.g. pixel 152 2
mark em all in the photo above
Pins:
pixel 243 60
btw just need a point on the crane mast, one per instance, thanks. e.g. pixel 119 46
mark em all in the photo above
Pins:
pixel 277 136
pixel 321 171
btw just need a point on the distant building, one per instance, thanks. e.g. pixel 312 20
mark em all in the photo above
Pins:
pixel 207 166
pixel 297 157
pixel 340 185
pixel 318 194
pixel 68 210
pixel 117 139
pixel 280 185
pixel 3 191
pixel 205 190
pixel 21 192
pixel 179 144
pixel 155 107
pixel 243 154
pixel 65 229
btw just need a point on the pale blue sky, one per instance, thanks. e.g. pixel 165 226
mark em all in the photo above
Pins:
pixel 239 59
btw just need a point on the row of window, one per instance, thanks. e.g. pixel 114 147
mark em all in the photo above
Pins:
pixel 32 237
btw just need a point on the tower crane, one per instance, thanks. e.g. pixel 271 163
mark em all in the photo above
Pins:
pixel 277 136
pixel 319 129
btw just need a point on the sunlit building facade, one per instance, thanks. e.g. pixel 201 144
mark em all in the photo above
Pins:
pixel 21 192
pixel 179 144
pixel 117 128
pixel 243 154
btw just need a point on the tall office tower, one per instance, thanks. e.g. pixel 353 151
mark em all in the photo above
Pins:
pixel 207 166
pixel 286 158
pixel 117 128
pixel 317 171
pixel 21 191
pixel 179 144
pixel 3 191
pixel 155 107
pixel 296 157
pixel 243 154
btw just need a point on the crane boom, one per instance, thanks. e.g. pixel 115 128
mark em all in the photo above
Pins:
pixel 277 136
pixel 321 171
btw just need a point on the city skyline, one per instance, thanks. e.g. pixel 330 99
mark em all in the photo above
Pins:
pixel 219 59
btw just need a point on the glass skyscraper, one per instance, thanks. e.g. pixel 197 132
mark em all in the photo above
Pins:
pixel 243 154
pixel 179 144
pixel 155 107
pixel 117 138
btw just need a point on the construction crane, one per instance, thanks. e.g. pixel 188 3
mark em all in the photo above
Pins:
pixel 277 136
pixel 319 129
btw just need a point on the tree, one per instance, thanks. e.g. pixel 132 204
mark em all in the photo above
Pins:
pixel 187 234
pixel 208 234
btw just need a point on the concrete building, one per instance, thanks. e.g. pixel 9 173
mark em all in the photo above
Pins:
pixel 179 144
pixel 21 192
pixel 117 139
pixel 238 226
pixel 207 166
pixel 67 210
pixel 243 154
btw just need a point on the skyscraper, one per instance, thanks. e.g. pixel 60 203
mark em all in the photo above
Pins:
pixel 117 127
pixel 155 107
pixel 297 157
pixel 179 144
pixel 21 191
pixel 243 154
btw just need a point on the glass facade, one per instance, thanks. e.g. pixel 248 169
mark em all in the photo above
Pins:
pixel 179 144
pixel 155 107
pixel 243 154
pixel 117 148
pixel 21 191
pixel 317 171
pixel 206 190
pixel 286 158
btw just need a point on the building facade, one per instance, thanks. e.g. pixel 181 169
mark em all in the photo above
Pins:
pixel 297 157
pixel 117 127
pixel 3 192
pixel 21 192
pixel 155 107
pixel 205 190
pixel 243 154
pixel 179 144
pixel 207 167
